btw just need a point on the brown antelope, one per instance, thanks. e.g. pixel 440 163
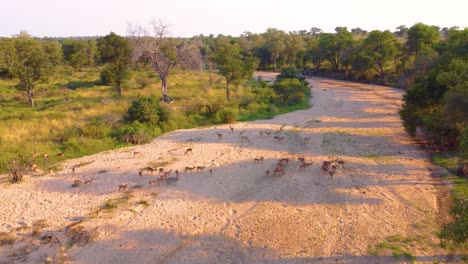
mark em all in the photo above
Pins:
pixel 200 168
pixel 241 132
pixel 88 181
pixel 281 128
pixel 165 174
pixel 211 172
pixel 340 162
pixel 301 159
pixel 33 167
pixel 307 140
pixel 220 136
pixel 278 138
pixel 268 132
pixel 267 173
pixel 177 174
pixel 258 160
pixel 278 170
pixel 73 170
pixel 123 187
pixel 45 155
pixel 161 170
pixel 150 169
pixel 140 173
pixel 284 160
pixel 153 182
pixel 99 211
pixel 326 166
pixel 189 169
pixel 304 165
pixel 188 150
pixel 261 133
pixel 137 153
pixel 245 139
pixel 60 155
pixel 232 129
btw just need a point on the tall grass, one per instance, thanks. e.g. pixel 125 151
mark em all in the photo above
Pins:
pixel 76 116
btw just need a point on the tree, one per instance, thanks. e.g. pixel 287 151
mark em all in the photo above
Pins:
pixel 233 65
pixel 115 50
pixel 25 58
pixel 382 47
pixel 421 36
pixel 286 88
pixel 76 53
pixel 163 52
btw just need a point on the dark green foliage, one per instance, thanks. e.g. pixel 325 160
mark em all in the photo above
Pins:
pixel 290 91
pixel 137 133
pixel 148 110
pixel 457 231
pixel 227 116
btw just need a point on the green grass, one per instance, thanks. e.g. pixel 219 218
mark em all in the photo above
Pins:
pixel 76 116
pixel 397 246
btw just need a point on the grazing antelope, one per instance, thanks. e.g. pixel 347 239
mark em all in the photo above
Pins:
pixel 60 155
pixel 140 173
pixel 281 128
pixel 245 139
pixel 326 166
pixel 241 132
pixel 268 132
pixel 220 136
pixel 301 159
pixel 200 168
pixel 340 162
pixel 232 129
pixel 284 160
pixel 161 170
pixel 188 150
pixel 123 187
pixel 258 160
pixel 189 169
pixel 73 169
pixel 307 140
pixel 151 169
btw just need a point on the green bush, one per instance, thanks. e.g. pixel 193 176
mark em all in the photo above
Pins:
pixel 106 76
pixel 137 133
pixel 148 110
pixel 227 116
pixel 463 145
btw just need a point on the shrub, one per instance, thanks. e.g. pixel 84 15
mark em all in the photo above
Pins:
pixel 227 116
pixel 106 76
pixel 137 133
pixel 148 110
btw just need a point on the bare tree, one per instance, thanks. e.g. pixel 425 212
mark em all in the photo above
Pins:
pixel 155 46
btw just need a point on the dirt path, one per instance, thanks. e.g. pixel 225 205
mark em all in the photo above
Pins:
pixel 381 207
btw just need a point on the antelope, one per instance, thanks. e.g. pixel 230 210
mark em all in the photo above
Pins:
pixel 284 160
pixel 220 136
pixel 137 153
pixel 60 155
pixel 188 150
pixel 99 211
pixel 241 132
pixel 326 166
pixel 278 170
pixel 211 172
pixel 45 155
pixel 304 165
pixel 177 174
pixel 161 170
pixel 88 181
pixel 232 129
pixel 301 159
pixel 33 167
pixel 153 182
pixel 73 170
pixel 200 168
pixel 258 160
pixel 165 174
pixel 267 173
pixel 245 139
pixel 189 169
pixel 306 140
pixel 340 162
pixel 278 138
pixel 268 132
pixel 140 173
pixel 150 169
pixel 261 133
pixel 281 128
pixel 123 187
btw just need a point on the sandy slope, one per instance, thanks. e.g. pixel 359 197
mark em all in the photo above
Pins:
pixel 239 214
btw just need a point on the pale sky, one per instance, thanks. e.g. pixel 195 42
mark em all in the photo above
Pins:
pixel 61 18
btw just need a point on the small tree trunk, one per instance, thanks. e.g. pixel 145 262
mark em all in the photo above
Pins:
pixel 228 93
pixel 119 89
pixel 30 92
pixel 382 73
pixel 164 88
pixel 319 63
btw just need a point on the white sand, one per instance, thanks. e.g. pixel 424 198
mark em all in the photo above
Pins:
pixel 239 214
